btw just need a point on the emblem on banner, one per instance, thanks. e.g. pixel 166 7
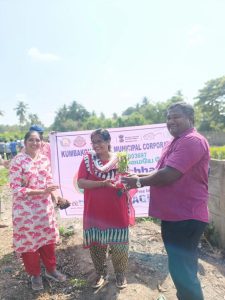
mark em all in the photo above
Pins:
pixel 128 139
pixel 121 138
pixel 149 136
pixel 65 142
pixel 79 141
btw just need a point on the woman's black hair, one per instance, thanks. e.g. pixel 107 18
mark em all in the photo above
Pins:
pixel 29 133
pixel 104 133
pixel 186 109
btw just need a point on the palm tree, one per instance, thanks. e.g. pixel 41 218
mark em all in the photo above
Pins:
pixel 33 119
pixel 21 110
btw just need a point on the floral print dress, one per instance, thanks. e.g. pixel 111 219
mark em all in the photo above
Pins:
pixel 34 222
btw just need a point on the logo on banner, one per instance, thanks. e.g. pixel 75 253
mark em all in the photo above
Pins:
pixel 121 138
pixel 128 139
pixel 65 142
pixel 79 141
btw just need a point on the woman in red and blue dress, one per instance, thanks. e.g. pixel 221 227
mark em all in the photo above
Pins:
pixel 106 217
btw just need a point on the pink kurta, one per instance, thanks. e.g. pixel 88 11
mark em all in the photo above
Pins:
pixel 34 223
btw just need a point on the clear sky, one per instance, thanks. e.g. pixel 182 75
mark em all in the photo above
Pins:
pixel 106 54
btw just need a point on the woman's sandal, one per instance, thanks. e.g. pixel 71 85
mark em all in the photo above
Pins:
pixel 56 276
pixel 99 281
pixel 161 297
pixel 121 281
pixel 36 283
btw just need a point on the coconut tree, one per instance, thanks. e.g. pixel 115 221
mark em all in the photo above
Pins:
pixel 34 119
pixel 21 111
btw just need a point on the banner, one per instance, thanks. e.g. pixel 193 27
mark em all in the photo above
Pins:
pixel 142 143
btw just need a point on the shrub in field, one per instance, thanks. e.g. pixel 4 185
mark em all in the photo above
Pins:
pixel 212 235
pixel 217 152
pixel 15 135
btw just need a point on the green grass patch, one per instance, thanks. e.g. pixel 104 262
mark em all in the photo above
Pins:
pixel 6 259
pixel 78 283
pixel 147 219
pixel 4 176
pixel 66 232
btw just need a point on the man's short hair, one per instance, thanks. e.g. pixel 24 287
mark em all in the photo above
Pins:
pixel 186 108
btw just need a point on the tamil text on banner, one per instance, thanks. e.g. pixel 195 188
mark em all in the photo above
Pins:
pixel 142 143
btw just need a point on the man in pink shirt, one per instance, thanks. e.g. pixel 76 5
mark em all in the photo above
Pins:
pixel 179 196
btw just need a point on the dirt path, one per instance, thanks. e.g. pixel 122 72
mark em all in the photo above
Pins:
pixel 147 274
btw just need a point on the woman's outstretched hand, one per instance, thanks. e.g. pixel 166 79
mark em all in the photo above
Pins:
pixel 51 188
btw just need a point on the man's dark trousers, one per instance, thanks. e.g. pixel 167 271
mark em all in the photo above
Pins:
pixel 181 240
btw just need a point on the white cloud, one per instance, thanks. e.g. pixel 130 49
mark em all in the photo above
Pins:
pixel 48 117
pixel 37 55
pixel 21 97
pixel 195 36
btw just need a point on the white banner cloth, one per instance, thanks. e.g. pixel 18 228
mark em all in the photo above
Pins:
pixel 142 143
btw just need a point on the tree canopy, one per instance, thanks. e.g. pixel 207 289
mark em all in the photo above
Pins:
pixel 21 111
pixel 209 110
pixel 70 117
pixel 210 105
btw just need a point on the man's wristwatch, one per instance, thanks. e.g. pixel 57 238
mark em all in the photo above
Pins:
pixel 138 183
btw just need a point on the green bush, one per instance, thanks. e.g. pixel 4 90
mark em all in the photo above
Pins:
pixel 15 135
pixel 147 219
pixel 217 152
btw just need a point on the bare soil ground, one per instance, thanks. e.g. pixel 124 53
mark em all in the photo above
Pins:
pixel 147 274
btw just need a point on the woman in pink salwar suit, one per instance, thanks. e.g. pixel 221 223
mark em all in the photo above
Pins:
pixel 35 231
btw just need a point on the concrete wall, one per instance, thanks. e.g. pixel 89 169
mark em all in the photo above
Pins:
pixel 217 197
